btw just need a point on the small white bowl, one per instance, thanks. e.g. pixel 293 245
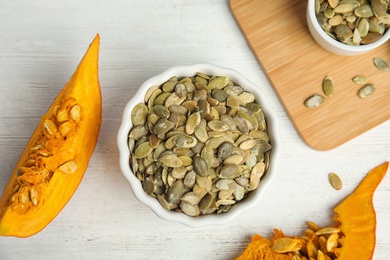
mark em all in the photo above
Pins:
pixel 123 133
pixel 332 45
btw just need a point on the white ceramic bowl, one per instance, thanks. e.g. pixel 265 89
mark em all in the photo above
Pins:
pixel 123 133
pixel 332 45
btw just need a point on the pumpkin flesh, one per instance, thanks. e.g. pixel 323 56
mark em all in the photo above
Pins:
pixel 57 155
pixel 355 220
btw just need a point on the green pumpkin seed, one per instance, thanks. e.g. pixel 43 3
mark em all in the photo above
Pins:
pixel 364 11
pixel 139 114
pixel 190 210
pixel 162 126
pixel 200 166
pixel 170 160
pixel 360 79
pixel 192 122
pixel 207 155
pixel 328 86
pixel 161 99
pixel 218 83
pixel 175 192
pixel 219 95
pixel 314 101
pixel 169 86
pixel 379 8
pixel 335 181
pixel 344 8
pixel 229 171
pixel 366 91
pixel 201 134
pixel 217 125
pixel 381 64
pixel 143 150
pixel 185 141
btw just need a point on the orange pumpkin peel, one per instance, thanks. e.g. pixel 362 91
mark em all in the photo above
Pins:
pixel 57 155
pixel 351 237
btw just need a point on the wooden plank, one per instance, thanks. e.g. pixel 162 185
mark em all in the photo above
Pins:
pixel 295 65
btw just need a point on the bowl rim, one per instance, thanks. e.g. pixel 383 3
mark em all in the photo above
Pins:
pixel 339 45
pixel 152 203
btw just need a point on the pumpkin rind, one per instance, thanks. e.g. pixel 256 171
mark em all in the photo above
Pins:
pixel 57 155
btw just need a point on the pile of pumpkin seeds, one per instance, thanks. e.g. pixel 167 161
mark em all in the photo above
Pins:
pixel 199 144
pixel 353 22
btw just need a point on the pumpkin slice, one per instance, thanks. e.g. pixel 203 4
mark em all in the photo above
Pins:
pixel 351 237
pixel 57 155
pixel 357 218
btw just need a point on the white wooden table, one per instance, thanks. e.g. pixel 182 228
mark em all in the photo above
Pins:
pixel 41 42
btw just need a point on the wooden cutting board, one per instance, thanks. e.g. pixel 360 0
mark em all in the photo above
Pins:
pixel 295 65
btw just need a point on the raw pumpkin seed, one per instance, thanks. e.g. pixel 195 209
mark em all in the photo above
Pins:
pixel 360 79
pixel 328 86
pixel 198 144
pixel 314 101
pixel 335 181
pixel 381 64
pixel 366 91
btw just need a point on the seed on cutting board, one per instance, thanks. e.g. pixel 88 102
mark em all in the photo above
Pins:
pixel 328 86
pixel 335 181
pixel 314 101
pixel 381 64
pixel 360 79
pixel 366 91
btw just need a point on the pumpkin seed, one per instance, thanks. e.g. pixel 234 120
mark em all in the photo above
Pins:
pixel 200 166
pixel 69 167
pixel 224 150
pixel 366 91
pixel 364 11
pixel 218 83
pixel 34 195
pixel 75 113
pixel 360 79
pixel 50 126
pixel 170 160
pixel 175 192
pixel 229 171
pixel 335 181
pixel 207 155
pixel 314 101
pixel 379 8
pixel 327 231
pixel 284 245
pixel 190 210
pixel 138 114
pixel 65 128
pixel 328 86
pixel 381 64
pixel 332 242
pixel 217 125
pixel 192 121
pixel 163 202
